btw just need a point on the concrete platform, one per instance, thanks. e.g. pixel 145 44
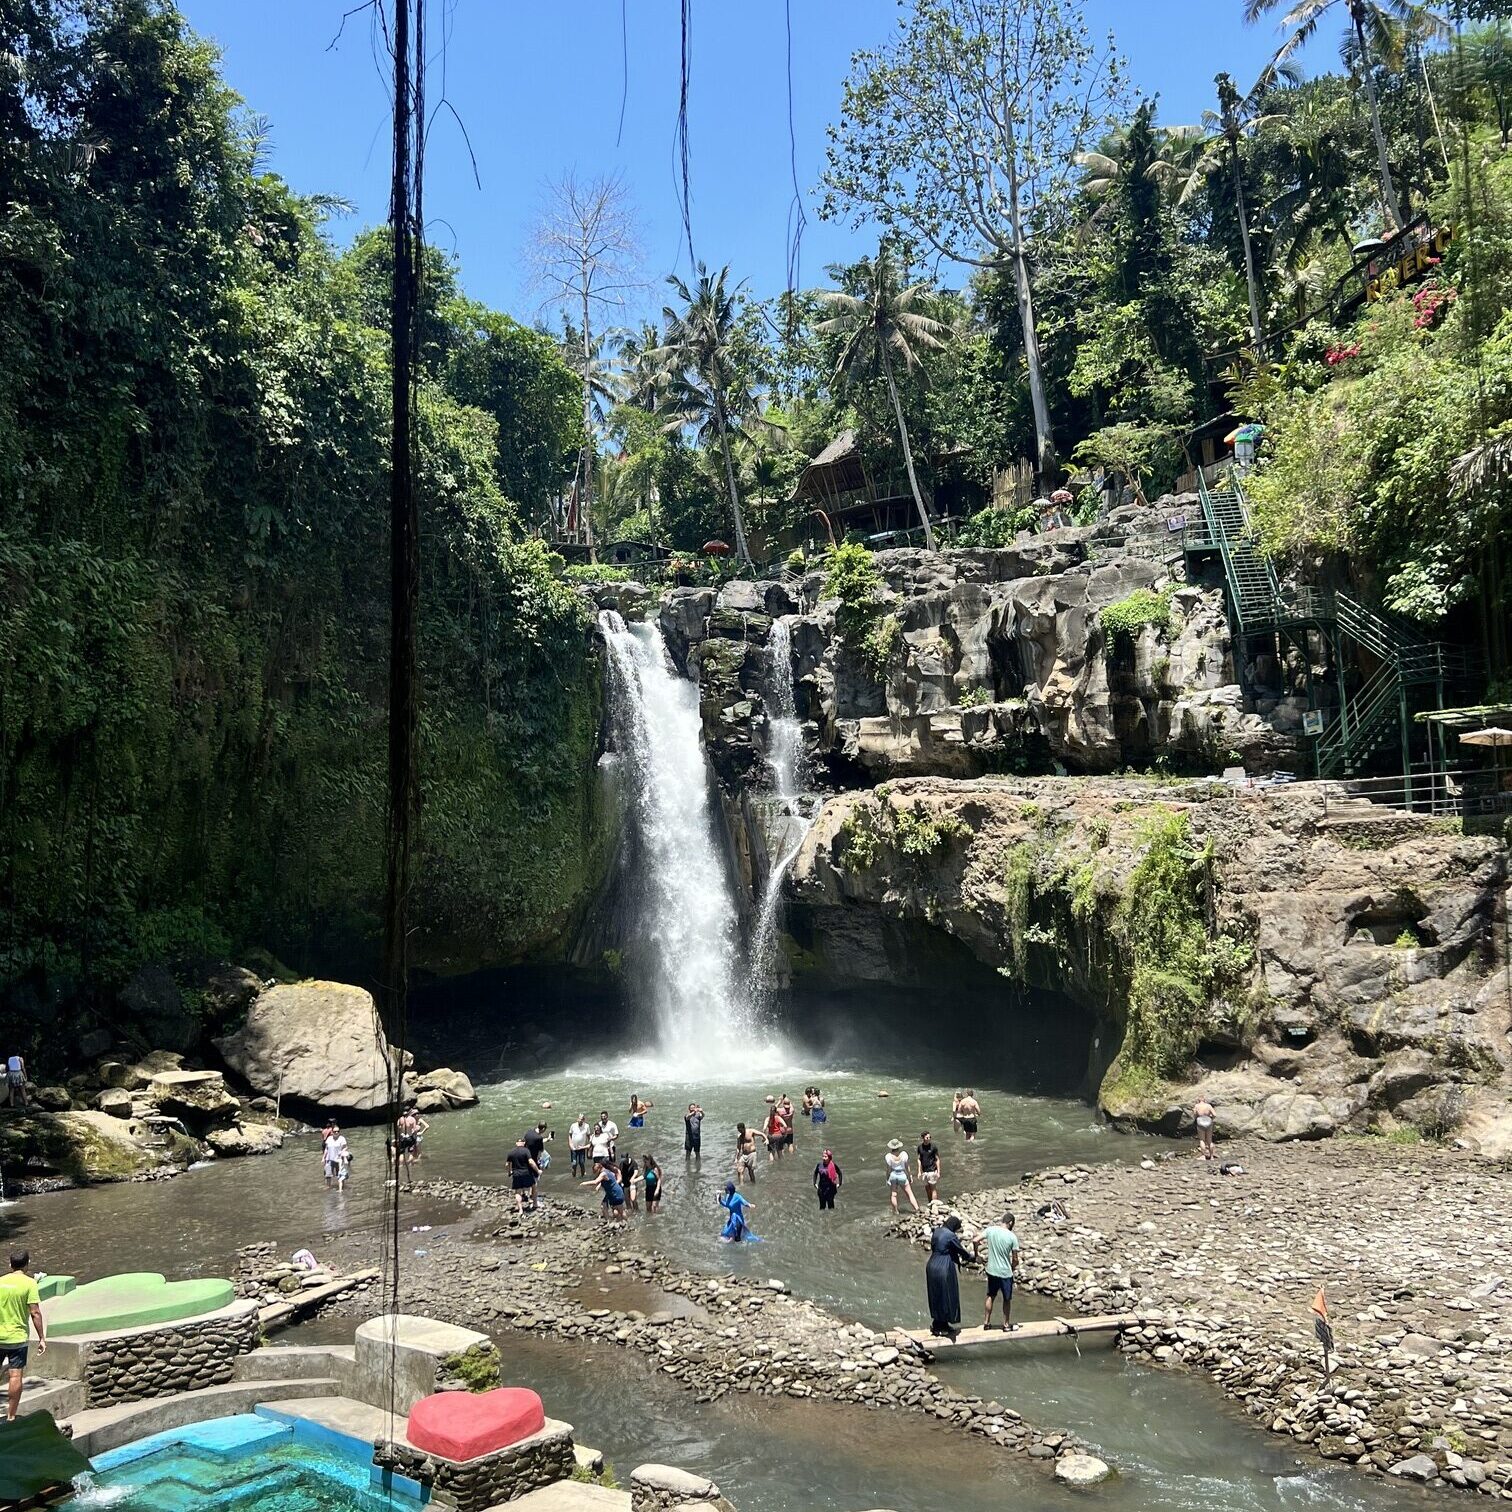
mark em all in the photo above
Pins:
pixel 135 1299
pixel 98 1429
pixel 1106 1325
pixel 337 1417
pixel 42 1394
pixel 569 1496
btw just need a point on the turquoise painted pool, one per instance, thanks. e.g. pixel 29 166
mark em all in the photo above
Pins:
pixel 251 1461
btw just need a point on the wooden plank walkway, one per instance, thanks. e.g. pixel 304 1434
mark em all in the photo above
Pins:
pixel 1026 1333
pixel 276 1314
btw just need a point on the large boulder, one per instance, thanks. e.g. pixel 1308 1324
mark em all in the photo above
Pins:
pixel 440 1090
pixel 199 1098
pixel 245 1139
pixel 317 1045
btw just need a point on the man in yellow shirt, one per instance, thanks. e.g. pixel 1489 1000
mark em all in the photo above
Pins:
pixel 19 1303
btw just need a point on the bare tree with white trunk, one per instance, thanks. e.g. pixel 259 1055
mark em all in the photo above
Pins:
pixel 586 260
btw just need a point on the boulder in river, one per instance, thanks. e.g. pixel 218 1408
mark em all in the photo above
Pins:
pixel 245 1139
pixel 318 1045
pixel 1080 1470
pixel 441 1090
pixel 199 1098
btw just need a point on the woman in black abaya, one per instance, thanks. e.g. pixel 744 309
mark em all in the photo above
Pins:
pixel 942 1278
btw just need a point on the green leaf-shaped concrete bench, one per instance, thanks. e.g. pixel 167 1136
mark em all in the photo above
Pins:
pixel 131 1300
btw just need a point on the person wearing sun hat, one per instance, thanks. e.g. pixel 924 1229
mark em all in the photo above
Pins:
pixel 896 1161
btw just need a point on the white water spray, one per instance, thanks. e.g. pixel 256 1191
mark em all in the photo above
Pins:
pixel 685 930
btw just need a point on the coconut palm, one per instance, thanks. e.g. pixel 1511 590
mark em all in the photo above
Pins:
pixel 644 379
pixel 1236 117
pixel 707 390
pixel 1110 165
pixel 885 320
pixel 1375 28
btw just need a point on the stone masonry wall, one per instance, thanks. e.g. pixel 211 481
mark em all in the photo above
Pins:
pixel 163 1361
pixel 472 1485
pixel 662 1488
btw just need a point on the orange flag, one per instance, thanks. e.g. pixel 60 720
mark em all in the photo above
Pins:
pixel 1320 1305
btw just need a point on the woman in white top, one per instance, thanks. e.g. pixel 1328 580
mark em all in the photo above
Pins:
pixel 896 1161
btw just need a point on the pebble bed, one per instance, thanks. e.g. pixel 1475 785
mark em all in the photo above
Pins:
pixel 1414 1248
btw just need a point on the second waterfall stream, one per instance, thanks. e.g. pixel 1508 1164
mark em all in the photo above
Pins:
pixel 683 941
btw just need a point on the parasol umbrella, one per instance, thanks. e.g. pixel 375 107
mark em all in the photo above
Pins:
pixel 716 548
pixel 1062 496
pixel 1492 735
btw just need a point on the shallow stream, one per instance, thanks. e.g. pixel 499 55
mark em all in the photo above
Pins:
pixel 1174 1441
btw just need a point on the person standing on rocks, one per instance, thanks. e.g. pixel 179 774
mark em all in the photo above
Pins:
pixel 1003 1250
pixel 896 1161
pixel 968 1112
pixel 693 1133
pixel 579 1135
pixel 15 1079
pixel 1202 1116
pixel 745 1152
pixel 20 1304
pixel 828 1179
pixel 523 1172
pixel 929 1166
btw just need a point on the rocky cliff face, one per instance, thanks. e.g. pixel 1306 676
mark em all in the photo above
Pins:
pixel 1309 964
pixel 1001 664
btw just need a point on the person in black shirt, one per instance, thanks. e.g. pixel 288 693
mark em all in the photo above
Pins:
pixel 536 1140
pixel 523 1172
pixel 929 1165
pixel 693 1133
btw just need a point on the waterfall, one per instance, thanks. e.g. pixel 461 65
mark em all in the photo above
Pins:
pixel 784 757
pixel 784 732
pixel 685 926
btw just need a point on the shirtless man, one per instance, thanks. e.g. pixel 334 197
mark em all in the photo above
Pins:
pixel 968 1112
pixel 745 1152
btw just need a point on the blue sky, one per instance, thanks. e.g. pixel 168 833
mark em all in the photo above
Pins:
pixel 539 83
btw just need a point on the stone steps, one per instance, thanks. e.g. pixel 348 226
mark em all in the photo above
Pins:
pixel 97 1429
pixel 59 1397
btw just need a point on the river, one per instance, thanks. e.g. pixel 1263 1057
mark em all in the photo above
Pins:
pixel 1174 1441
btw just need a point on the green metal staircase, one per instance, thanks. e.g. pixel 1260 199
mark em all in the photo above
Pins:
pixel 1378 711
pixel 1254 594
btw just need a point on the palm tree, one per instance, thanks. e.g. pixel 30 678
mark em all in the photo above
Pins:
pixel 1236 117
pixel 1110 165
pixel 644 380
pixel 884 319
pixel 1375 27
pixel 706 387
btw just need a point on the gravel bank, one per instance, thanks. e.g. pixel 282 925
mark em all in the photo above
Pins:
pixel 1413 1245
pixel 710 1334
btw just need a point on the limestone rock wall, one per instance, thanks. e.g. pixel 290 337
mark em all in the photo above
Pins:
pixel 1002 664
pixel 1368 985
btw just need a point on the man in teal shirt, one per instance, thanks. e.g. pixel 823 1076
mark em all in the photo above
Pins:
pixel 1003 1250
pixel 19 1304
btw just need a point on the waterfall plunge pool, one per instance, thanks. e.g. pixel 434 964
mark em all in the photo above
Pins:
pixel 1175 1442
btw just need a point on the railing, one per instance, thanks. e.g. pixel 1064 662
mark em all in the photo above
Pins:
pixel 1477 794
